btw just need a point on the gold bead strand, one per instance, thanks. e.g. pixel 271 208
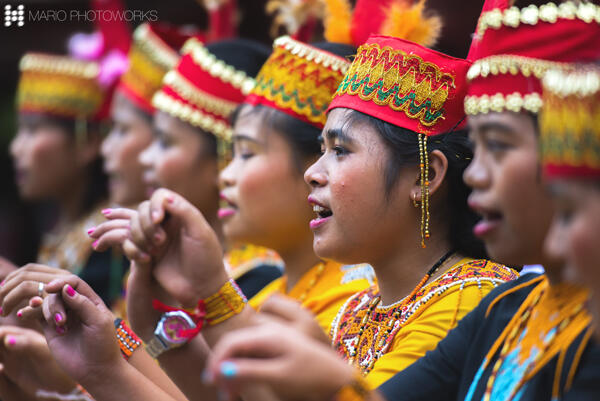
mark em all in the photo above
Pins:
pixel 422 184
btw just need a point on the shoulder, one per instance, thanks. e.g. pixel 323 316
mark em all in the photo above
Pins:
pixel 483 268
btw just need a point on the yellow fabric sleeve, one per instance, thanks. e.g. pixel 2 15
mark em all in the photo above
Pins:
pixel 424 332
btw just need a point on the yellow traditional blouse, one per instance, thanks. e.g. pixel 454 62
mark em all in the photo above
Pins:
pixel 323 289
pixel 242 259
pixel 383 340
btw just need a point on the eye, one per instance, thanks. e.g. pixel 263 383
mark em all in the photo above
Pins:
pixel 496 146
pixel 340 150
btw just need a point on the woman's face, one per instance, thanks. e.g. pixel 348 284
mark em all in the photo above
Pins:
pixel 355 221
pixel 573 236
pixel 263 197
pixel 507 190
pixel 178 159
pixel 131 133
pixel 45 157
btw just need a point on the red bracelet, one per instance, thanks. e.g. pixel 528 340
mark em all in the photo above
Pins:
pixel 128 340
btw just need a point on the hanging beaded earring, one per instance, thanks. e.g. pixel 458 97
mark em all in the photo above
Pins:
pixel 424 182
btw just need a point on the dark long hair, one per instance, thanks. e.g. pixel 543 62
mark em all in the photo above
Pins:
pixel 403 150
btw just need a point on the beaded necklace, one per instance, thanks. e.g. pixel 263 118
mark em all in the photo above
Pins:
pixel 546 327
pixel 392 323
pixel 313 282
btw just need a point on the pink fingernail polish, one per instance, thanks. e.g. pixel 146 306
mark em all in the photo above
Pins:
pixel 58 317
pixel 11 340
pixel 19 314
pixel 70 291
pixel 0 310
pixel 171 198
pixel 91 230
pixel 95 244
pixel 60 330
pixel 3 281
pixel 106 212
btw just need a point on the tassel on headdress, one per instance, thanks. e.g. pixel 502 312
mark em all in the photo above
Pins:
pixel 298 18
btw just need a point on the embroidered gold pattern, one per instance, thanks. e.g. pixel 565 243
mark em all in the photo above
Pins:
pixel 217 68
pixel 58 85
pixel 515 102
pixel 531 15
pixel 186 113
pixel 403 82
pixel 198 97
pixel 570 119
pixel 149 61
pixel 300 78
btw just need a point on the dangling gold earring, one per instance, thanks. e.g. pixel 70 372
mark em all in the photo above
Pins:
pixel 414 200
pixel 424 167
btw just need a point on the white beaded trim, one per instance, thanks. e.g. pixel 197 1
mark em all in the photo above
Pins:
pixel 217 68
pixel 186 113
pixel 514 102
pixel 531 15
pixel 509 64
pixel 580 83
pixel 59 65
pixel 311 53
pixel 152 45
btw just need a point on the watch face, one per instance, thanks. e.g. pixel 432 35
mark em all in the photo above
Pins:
pixel 173 326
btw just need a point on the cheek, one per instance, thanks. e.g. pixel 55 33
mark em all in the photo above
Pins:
pixel 583 250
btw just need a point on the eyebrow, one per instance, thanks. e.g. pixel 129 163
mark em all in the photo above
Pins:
pixel 338 134
pixel 242 137
pixel 492 126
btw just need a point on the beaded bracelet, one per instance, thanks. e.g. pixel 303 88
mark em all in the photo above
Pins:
pixel 226 303
pixel 355 391
pixel 128 340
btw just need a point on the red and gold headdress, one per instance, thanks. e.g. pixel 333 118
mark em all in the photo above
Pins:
pixel 60 86
pixel 514 47
pixel 299 80
pixel 153 54
pixel 406 85
pixel 203 90
pixel 570 123
pixel 410 86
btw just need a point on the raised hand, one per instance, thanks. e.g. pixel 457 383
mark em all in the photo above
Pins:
pixel 171 235
pixel 28 363
pixel 293 365
pixel 114 231
pixel 83 341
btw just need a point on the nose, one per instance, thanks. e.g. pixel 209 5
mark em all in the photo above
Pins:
pixel 146 156
pixel 227 175
pixel 106 147
pixel 315 175
pixel 555 242
pixel 476 175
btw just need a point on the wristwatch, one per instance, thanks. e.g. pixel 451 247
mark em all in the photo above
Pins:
pixel 166 334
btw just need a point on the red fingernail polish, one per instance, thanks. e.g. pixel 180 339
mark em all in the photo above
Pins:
pixel 70 291
pixel 91 230
pixel 95 244
pixel 106 212
pixel 58 318
pixel 11 341
pixel 60 330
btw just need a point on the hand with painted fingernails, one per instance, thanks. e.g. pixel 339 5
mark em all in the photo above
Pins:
pixel 80 330
pixel 113 232
pixel 25 287
pixel 294 366
pixel 173 239
pixel 28 363
pixel 288 311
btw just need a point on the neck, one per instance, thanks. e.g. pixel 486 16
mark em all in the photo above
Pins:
pixel 298 260
pixel 70 202
pixel 399 272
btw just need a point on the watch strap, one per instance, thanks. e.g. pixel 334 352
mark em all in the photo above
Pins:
pixel 156 346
